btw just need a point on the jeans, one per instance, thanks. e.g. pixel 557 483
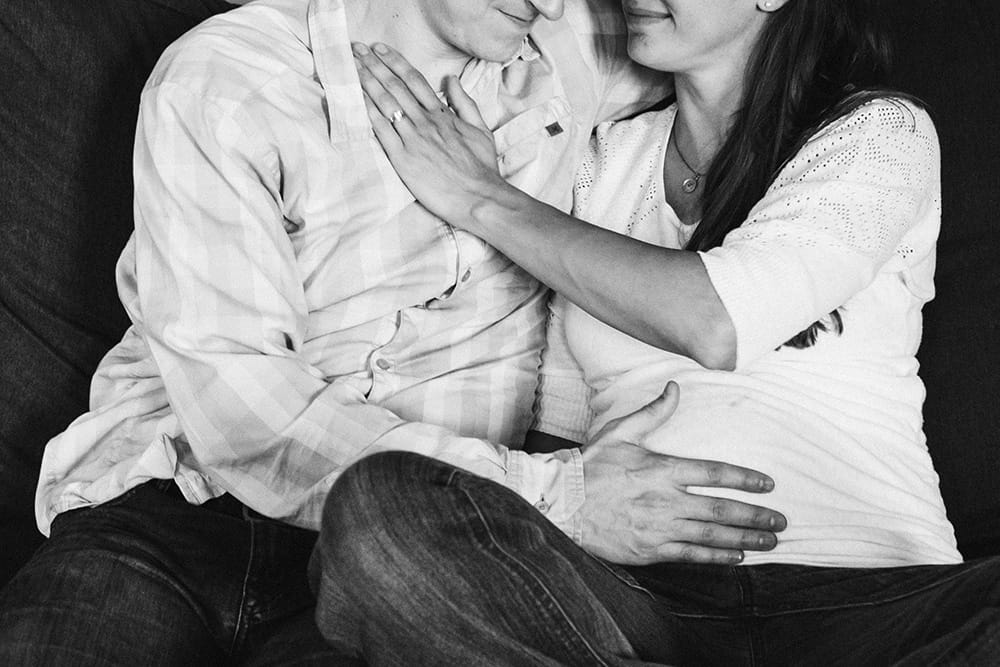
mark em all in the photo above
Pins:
pixel 421 563
pixel 148 579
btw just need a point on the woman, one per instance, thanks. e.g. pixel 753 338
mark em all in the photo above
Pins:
pixel 767 242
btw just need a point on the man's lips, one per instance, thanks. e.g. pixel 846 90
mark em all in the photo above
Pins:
pixel 527 21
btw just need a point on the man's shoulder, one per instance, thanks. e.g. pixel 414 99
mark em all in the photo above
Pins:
pixel 230 56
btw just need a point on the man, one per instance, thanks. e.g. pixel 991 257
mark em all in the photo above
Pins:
pixel 293 311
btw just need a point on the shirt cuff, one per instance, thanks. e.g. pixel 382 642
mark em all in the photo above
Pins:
pixel 553 483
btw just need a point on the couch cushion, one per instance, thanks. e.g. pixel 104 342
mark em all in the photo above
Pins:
pixel 70 73
pixel 948 54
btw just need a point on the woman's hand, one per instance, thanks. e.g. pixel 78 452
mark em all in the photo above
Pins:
pixel 445 156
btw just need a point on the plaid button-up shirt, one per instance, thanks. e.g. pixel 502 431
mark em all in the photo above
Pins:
pixel 294 309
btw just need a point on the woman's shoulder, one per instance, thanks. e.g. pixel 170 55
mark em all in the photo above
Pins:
pixel 882 119
pixel 622 163
pixel 883 137
pixel 630 147
pixel 641 130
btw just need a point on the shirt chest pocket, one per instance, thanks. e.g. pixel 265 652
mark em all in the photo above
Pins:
pixel 531 144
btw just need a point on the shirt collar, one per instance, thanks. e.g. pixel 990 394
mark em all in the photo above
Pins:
pixel 528 52
pixel 331 49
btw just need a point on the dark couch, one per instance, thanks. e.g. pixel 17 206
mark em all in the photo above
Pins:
pixel 70 74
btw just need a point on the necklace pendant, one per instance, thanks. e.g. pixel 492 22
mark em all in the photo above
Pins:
pixel 690 184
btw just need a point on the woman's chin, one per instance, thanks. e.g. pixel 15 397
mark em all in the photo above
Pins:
pixel 641 51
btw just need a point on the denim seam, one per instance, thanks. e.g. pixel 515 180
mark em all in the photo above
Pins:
pixel 623 576
pixel 238 625
pixel 753 639
pixel 552 602
pixel 871 603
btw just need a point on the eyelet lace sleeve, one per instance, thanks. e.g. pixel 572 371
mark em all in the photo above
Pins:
pixel 860 198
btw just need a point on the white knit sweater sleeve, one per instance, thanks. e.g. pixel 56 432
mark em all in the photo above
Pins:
pixel 562 404
pixel 833 218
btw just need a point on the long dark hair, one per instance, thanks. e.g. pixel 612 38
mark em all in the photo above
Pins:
pixel 815 61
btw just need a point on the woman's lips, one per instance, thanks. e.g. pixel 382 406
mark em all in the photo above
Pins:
pixel 641 13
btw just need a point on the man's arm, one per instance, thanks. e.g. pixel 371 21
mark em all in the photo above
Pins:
pixel 222 308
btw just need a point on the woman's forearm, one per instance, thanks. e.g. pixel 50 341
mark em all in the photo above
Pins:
pixel 661 296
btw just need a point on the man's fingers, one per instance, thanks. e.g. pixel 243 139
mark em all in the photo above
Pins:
pixel 634 428
pixel 725 512
pixel 709 534
pixel 654 414
pixel 679 552
pixel 695 472
pixel 414 81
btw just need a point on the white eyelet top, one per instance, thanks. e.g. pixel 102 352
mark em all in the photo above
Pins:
pixel 851 223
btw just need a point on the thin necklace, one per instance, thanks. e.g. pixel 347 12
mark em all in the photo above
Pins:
pixel 689 184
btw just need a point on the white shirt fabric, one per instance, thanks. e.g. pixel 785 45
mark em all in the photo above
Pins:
pixel 293 308
pixel 850 223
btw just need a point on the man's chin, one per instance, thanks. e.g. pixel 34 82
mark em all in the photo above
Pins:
pixel 498 52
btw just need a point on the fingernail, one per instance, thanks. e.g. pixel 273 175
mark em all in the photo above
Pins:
pixel 359 49
pixel 380 48
pixel 766 484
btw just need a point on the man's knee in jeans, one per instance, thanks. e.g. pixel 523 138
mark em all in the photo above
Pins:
pixel 365 511
pixel 368 546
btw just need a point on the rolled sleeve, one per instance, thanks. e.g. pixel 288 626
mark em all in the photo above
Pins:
pixel 833 218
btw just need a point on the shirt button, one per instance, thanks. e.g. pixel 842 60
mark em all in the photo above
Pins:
pixel 383 364
pixel 466 275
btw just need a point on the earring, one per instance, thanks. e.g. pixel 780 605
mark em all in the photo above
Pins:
pixel 768 4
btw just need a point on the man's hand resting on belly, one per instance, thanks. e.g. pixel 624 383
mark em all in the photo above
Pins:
pixel 638 509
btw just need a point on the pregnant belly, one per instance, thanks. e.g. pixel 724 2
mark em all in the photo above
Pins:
pixel 849 500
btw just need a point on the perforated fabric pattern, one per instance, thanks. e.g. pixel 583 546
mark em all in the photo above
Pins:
pixel 861 198
pixel 880 139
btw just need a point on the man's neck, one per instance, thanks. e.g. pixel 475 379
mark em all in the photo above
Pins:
pixel 400 25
